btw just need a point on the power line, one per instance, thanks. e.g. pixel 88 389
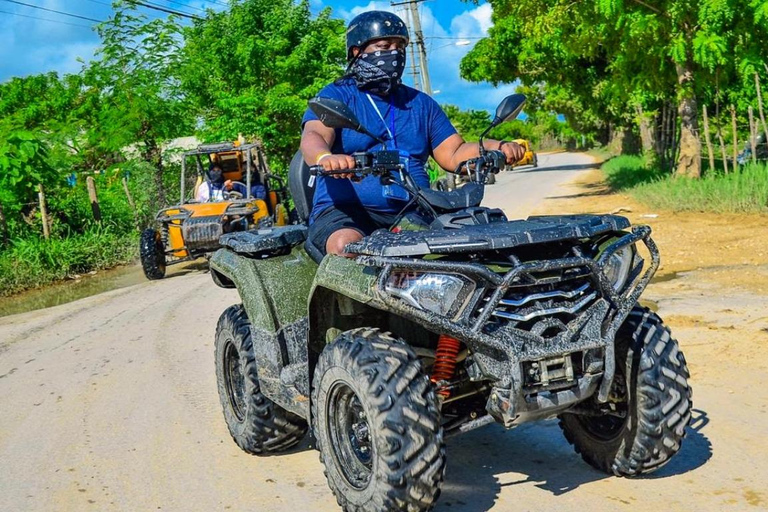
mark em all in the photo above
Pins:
pixel 179 13
pixel 452 38
pixel 53 10
pixel 188 6
pixel 45 19
pixel 217 3
pixel 100 3
pixel 163 9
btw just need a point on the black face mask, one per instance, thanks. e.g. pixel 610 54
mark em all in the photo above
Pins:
pixel 215 175
pixel 378 72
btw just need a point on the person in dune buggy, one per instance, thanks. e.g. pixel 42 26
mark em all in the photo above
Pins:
pixel 216 188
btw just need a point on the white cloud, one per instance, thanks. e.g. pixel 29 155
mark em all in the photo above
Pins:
pixel 30 43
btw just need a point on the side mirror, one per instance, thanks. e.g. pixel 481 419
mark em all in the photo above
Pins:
pixel 509 108
pixel 335 114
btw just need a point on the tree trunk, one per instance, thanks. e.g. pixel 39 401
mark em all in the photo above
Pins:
pixel 710 151
pixel 661 123
pixel 43 211
pixel 646 133
pixel 689 161
pixel 154 156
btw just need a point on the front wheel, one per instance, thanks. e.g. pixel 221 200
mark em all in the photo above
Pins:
pixel 152 254
pixel 650 403
pixel 256 423
pixel 377 422
pixel 490 179
pixel 535 160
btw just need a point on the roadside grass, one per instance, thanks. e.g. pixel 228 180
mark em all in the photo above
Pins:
pixel 32 262
pixel 743 191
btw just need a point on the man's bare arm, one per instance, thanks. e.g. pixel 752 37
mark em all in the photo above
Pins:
pixel 454 150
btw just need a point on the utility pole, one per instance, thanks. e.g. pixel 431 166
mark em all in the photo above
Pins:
pixel 426 86
pixel 412 53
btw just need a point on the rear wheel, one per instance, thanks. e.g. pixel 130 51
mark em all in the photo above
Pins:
pixel 377 423
pixel 650 403
pixel 256 423
pixel 152 254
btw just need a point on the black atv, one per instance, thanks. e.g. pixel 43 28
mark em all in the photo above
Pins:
pixel 463 319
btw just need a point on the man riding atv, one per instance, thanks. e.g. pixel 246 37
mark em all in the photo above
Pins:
pixel 409 120
pixel 443 322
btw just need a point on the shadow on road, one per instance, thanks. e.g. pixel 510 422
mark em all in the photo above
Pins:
pixel 590 190
pixel 198 265
pixel 569 167
pixel 482 462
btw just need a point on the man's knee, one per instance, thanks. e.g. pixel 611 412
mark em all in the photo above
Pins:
pixel 339 240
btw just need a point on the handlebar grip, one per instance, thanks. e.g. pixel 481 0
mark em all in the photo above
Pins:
pixel 316 170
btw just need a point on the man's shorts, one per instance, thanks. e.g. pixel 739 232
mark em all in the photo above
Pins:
pixel 333 219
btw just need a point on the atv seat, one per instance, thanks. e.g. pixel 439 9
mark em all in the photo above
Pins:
pixel 302 194
pixel 467 196
pixel 298 182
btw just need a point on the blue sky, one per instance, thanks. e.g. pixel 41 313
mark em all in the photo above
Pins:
pixel 29 44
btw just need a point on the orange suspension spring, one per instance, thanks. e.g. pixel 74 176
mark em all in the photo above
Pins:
pixel 445 362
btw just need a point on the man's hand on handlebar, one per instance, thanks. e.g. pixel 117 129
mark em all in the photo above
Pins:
pixel 338 163
pixel 513 151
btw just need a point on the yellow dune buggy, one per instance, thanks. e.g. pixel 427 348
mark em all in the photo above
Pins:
pixel 192 228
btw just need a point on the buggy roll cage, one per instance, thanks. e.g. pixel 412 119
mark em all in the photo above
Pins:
pixel 245 149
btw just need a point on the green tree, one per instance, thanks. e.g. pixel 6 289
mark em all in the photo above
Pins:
pixel 617 54
pixel 140 101
pixel 251 69
pixel 24 164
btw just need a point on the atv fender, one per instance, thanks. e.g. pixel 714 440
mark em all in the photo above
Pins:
pixel 339 283
pixel 274 293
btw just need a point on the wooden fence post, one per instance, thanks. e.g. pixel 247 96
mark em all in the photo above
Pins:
pixel 94 198
pixel 722 147
pixel 43 211
pixel 130 201
pixel 760 104
pixel 710 150
pixel 735 138
pixel 752 134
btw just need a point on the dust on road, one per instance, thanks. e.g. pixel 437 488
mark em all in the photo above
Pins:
pixel 109 403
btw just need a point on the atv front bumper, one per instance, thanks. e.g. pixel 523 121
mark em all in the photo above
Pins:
pixel 533 374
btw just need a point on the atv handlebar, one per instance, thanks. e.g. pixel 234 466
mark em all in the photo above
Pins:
pixel 373 163
pixel 386 161
pixel 479 167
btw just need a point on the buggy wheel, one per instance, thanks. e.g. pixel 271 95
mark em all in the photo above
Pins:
pixel 535 160
pixel 651 388
pixel 152 254
pixel 490 179
pixel 377 423
pixel 257 424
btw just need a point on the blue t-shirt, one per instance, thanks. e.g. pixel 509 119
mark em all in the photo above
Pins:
pixel 418 126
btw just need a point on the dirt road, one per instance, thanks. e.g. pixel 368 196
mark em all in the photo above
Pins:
pixel 109 403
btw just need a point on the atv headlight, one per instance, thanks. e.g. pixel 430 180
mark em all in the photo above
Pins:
pixel 443 294
pixel 618 266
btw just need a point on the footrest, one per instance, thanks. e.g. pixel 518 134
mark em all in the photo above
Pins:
pixel 260 242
